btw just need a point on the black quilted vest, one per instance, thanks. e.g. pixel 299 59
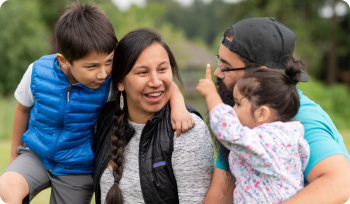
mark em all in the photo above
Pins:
pixel 157 180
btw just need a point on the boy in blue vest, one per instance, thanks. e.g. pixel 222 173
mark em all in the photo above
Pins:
pixel 59 100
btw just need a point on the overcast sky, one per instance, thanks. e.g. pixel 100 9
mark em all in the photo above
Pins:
pixel 340 9
pixel 125 4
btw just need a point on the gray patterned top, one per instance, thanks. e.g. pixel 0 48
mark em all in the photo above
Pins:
pixel 192 161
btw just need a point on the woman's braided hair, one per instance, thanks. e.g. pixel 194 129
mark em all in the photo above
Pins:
pixel 126 53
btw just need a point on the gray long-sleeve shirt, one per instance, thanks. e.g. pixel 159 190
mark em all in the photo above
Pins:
pixel 192 161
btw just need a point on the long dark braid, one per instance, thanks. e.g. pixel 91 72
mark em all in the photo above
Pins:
pixel 120 119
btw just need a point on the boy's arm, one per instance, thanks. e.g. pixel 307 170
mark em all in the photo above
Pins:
pixel 181 119
pixel 20 125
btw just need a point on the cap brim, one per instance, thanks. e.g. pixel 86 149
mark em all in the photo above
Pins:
pixel 304 77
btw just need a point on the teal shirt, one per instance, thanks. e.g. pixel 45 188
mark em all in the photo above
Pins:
pixel 320 132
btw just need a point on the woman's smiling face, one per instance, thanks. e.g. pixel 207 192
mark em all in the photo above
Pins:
pixel 148 84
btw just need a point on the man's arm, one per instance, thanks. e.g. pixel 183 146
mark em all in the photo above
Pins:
pixel 20 126
pixel 221 188
pixel 329 182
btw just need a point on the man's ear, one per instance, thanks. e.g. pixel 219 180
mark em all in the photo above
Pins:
pixel 63 61
pixel 263 114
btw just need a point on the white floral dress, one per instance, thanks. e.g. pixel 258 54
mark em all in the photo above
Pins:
pixel 267 161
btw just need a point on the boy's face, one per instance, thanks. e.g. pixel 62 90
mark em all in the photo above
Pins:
pixel 91 70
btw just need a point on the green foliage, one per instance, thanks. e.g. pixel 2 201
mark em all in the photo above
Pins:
pixel 153 16
pixel 28 26
pixel 7 110
pixel 334 100
pixel 23 40
pixel 199 20
pixel 135 17
pixel 320 40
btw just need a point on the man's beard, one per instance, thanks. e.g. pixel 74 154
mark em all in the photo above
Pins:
pixel 226 93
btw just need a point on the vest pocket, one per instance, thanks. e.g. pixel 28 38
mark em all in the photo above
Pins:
pixel 159 164
pixel 160 174
pixel 164 181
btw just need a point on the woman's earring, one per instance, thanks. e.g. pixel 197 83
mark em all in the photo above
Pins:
pixel 121 102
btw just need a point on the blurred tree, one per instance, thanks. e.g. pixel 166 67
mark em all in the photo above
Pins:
pixel 199 20
pixel 135 17
pixel 50 12
pixel 28 27
pixel 23 37
pixel 152 16
pixel 320 41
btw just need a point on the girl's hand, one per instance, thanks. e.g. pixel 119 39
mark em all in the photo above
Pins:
pixel 206 86
pixel 207 89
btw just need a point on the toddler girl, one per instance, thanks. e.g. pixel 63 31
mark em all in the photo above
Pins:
pixel 268 153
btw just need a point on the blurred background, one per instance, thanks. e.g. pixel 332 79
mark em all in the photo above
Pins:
pixel 192 29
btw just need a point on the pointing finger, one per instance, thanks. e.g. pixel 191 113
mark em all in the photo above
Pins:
pixel 208 72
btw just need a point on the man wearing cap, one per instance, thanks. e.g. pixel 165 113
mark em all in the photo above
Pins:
pixel 264 42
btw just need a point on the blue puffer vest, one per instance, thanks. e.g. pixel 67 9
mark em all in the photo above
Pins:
pixel 60 129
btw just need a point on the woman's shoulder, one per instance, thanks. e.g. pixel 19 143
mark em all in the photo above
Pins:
pixel 194 146
pixel 198 119
pixel 191 109
pixel 199 131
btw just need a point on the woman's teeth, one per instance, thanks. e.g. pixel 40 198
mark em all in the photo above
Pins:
pixel 154 94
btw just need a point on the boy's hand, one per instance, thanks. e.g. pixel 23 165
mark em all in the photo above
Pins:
pixel 181 121
pixel 206 86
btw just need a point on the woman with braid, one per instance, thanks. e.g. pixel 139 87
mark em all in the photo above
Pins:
pixel 139 159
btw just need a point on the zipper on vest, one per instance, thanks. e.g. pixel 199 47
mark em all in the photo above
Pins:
pixel 61 122
pixel 68 91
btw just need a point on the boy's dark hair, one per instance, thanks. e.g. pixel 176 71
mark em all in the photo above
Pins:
pixel 82 29
pixel 273 87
